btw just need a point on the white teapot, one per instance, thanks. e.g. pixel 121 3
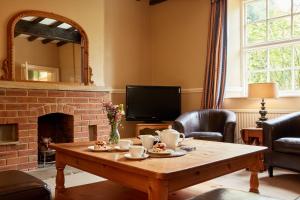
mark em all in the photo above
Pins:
pixel 170 137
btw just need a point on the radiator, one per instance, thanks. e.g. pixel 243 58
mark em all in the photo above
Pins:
pixel 247 118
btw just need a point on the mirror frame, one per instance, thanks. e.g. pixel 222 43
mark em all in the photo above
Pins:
pixel 9 64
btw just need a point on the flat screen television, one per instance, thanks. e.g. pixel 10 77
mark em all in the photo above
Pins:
pixel 152 103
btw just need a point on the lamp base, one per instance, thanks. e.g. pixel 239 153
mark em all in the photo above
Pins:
pixel 259 124
pixel 263 112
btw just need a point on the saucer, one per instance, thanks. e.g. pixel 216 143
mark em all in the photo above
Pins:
pixel 128 156
pixel 121 149
pixel 92 148
pixel 165 152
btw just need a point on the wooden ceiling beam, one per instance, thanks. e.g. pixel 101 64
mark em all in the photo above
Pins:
pixel 59 44
pixel 51 33
pixel 37 20
pixel 153 2
pixel 54 25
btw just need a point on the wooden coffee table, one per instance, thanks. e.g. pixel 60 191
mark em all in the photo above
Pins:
pixel 159 176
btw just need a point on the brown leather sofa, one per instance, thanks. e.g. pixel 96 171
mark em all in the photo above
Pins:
pixel 208 124
pixel 17 185
pixel 282 136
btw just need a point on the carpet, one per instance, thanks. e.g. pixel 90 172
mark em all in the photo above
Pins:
pixel 284 185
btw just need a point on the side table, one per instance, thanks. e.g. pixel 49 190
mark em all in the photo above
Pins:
pixel 254 136
pixel 153 127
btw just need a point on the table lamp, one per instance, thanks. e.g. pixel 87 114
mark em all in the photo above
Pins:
pixel 262 90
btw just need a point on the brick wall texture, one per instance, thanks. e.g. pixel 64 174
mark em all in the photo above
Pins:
pixel 24 106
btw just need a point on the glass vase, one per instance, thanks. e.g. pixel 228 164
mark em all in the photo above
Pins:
pixel 114 136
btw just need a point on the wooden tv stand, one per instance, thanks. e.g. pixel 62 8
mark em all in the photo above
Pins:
pixel 152 126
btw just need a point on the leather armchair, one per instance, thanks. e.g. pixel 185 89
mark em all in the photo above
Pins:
pixel 208 124
pixel 282 136
pixel 15 185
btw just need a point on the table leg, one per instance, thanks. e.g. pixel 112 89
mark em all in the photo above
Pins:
pixel 60 178
pixel 254 182
pixel 158 190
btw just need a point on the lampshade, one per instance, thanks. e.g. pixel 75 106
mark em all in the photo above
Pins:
pixel 262 90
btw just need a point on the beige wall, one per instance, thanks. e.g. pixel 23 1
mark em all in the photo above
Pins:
pixel 35 53
pixel 179 31
pixel 127 43
pixel 70 63
pixel 127 52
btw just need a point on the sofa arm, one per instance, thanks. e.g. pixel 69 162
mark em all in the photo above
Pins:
pixel 229 127
pixel 284 126
pixel 186 122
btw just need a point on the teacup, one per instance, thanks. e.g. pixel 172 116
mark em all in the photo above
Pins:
pixel 147 141
pixel 125 144
pixel 136 151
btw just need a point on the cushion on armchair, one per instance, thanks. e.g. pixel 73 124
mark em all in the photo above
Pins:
pixel 287 145
pixel 212 136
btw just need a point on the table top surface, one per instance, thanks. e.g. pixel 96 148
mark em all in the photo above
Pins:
pixel 207 154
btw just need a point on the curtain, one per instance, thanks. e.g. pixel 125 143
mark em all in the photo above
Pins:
pixel 215 73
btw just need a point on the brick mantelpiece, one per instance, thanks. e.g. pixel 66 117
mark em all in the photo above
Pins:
pixel 24 106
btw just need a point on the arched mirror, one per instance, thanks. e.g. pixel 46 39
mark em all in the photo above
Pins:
pixel 45 47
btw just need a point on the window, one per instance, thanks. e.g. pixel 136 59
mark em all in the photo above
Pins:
pixel 271 43
pixel 39 73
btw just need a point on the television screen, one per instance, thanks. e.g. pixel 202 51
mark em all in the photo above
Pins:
pixel 152 103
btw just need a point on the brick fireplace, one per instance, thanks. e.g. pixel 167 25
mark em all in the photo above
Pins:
pixel 24 111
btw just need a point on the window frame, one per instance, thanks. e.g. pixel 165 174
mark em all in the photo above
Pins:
pixel 267 45
pixel 26 67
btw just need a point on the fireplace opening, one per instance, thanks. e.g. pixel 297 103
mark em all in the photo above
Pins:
pixel 8 133
pixel 53 128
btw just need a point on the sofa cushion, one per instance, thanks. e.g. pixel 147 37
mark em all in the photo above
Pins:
pixel 20 185
pixel 287 145
pixel 230 194
pixel 212 136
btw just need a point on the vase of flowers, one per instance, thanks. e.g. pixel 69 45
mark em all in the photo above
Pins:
pixel 114 115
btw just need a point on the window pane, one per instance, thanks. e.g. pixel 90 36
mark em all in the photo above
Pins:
pixel 33 75
pixel 279 8
pixel 257 60
pixel 297 56
pixel 256 32
pixel 297 79
pixel 259 77
pixel 296 26
pixel 282 78
pixel 256 10
pixel 43 76
pixel 280 28
pixel 296 6
pixel 280 57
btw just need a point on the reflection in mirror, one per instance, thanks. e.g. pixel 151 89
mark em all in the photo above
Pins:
pixel 47 50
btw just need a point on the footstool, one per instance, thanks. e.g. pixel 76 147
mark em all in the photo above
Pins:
pixel 230 194
pixel 16 185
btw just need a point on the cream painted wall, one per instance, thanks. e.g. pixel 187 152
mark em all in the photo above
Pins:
pixel 127 51
pixel 70 63
pixel 179 32
pixel 35 53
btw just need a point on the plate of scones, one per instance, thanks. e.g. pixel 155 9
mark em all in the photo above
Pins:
pixel 161 149
pixel 100 146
